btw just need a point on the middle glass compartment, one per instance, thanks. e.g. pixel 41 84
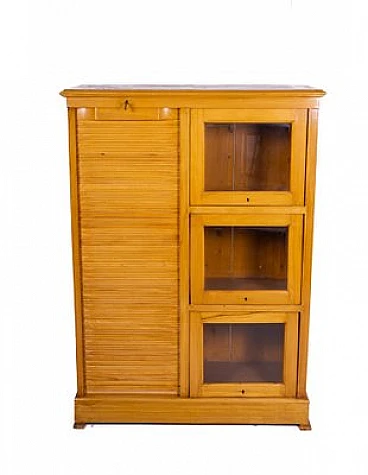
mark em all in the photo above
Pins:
pixel 246 259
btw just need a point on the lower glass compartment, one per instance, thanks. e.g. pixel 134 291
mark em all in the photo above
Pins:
pixel 240 353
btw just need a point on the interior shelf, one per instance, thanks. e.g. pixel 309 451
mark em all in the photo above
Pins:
pixel 242 372
pixel 228 283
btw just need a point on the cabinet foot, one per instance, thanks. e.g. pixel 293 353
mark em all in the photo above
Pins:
pixel 79 425
pixel 306 426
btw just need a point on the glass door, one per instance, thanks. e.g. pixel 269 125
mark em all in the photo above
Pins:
pixel 250 157
pixel 243 355
pixel 246 259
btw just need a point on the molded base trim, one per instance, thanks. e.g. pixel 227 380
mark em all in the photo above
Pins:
pixel 169 410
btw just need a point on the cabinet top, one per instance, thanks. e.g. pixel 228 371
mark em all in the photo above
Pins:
pixel 248 89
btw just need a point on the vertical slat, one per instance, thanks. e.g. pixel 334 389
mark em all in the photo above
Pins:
pixel 184 251
pixel 290 354
pixel 196 354
pixel 295 257
pixel 298 157
pixel 196 259
pixel 77 263
pixel 196 161
pixel 308 242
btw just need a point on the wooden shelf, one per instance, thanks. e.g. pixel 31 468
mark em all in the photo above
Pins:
pixel 242 372
pixel 230 283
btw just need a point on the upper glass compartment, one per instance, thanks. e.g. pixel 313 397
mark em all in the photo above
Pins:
pixel 247 157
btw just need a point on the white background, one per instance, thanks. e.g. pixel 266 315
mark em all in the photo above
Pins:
pixel 49 45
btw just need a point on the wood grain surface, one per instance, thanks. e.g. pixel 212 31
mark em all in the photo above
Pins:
pixel 128 193
pixel 192 206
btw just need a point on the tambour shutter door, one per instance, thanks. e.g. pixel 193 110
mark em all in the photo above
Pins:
pixel 128 175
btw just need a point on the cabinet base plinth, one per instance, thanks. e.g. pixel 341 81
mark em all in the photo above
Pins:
pixel 306 426
pixel 176 410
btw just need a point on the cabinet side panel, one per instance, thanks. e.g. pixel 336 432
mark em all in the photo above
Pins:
pixel 307 251
pixel 129 208
pixel 77 265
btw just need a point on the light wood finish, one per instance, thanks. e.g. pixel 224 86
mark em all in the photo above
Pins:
pixel 199 195
pixel 248 210
pixel 265 97
pixel 306 426
pixel 199 295
pixel 139 209
pixel 204 100
pixel 249 308
pixel 250 390
pixel 200 389
pixel 77 260
pixel 184 251
pixel 128 195
pixel 307 251
pixel 130 112
pixel 107 409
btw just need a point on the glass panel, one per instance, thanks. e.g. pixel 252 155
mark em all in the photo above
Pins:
pixel 247 157
pixel 239 353
pixel 245 258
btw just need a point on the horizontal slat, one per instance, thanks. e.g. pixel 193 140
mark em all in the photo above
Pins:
pixel 145 210
pixel 131 389
pixel 135 113
pixel 130 299
pixel 129 157
pixel 126 136
pixel 106 282
pixel 112 312
pixel 131 374
pixel 101 171
pixel 129 142
pixel 120 238
pixel 123 264
pixel 126 322
pixel 141 149
pixel 125 126
pixel 155 224
pixel 127 285
pixel 113 349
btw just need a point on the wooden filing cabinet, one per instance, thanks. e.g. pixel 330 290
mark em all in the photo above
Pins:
pixel 192 219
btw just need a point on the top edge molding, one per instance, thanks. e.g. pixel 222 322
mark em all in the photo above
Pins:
pixel 246 89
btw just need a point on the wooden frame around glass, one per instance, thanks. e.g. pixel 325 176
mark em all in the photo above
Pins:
pixel 295 196
pixel 199 295
pixel 285 389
